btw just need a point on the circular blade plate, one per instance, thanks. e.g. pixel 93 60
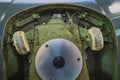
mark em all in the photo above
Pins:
pixel 58 59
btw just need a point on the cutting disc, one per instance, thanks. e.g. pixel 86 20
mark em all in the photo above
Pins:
pixel 58 59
